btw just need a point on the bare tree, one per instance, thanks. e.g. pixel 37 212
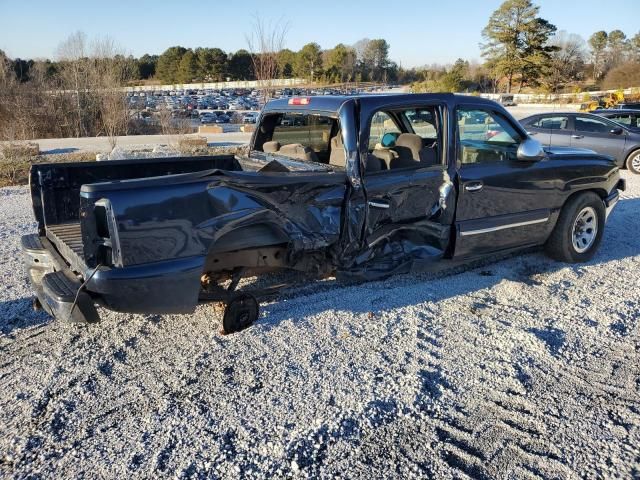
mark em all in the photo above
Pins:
pixel 110 71
pixel 72 53
pixel 567 59
pixel 265 41
pixel 94 76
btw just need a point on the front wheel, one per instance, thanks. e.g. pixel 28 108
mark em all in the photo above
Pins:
pixel 633 162
pixel 578 233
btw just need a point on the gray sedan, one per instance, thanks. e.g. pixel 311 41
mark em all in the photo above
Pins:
pixel 584 130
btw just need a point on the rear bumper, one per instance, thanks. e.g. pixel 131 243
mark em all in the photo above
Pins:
pixel 57 288
pixel 162 287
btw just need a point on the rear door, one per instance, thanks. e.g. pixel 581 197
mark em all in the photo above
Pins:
pixel 596 134
pixel 403 204
pixel 538 129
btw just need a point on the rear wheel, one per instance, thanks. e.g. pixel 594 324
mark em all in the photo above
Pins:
pixel 633 162
pixel 578 233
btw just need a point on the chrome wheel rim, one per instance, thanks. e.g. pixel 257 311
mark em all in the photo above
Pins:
pixel 585 229
pixel 635 163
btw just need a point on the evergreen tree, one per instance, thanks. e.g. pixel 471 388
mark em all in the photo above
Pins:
pixel 515 41
pixel 598 44
pixel 241 66
pixel 309 61
pixel 168 64
pixel 188 67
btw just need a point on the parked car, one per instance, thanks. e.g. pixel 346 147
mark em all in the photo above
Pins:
pixel 507 100
pixel 628 117
pixel 586 130
pixel 250 117
pixel 208 118
pixel 316 200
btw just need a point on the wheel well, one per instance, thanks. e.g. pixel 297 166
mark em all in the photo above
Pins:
pixel 629 155
pixel 601 192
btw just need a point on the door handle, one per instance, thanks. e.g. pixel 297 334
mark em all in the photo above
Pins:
pixel 577 137
pixel 378 205
pixel 473 186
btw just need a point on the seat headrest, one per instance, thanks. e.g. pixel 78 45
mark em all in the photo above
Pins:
pixel 408 145
pixel 337 156
pixel 299 151
pixel 271 147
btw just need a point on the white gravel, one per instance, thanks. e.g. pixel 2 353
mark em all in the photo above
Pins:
pixel 520 369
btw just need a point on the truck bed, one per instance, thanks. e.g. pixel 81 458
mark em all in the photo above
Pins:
pixel 55 192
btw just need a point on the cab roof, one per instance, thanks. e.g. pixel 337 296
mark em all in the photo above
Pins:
pixel 333 103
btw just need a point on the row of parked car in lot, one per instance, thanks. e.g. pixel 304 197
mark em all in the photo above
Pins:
pixel 210 106
pixel 614 132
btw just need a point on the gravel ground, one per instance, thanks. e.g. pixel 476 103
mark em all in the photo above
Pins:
pixel 523 368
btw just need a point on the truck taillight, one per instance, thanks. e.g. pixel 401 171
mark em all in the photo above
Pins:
pixel 299 101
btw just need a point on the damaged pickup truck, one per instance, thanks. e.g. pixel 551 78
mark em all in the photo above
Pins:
pixel 355 187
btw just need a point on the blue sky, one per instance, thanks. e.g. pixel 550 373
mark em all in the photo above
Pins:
pixel 419 32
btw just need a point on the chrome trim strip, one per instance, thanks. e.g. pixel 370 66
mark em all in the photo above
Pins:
pixel 378 205
pixel 502 227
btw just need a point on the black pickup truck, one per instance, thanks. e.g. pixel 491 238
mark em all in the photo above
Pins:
pixel 357 187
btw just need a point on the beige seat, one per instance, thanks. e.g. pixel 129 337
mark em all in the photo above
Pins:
pixel 410 151
pixel 271 147
pixel 299 151
pixel 337 156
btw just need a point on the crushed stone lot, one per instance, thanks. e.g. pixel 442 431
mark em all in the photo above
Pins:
pixel 524 368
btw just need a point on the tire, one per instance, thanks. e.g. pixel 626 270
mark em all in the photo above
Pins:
pixel 633 162
pixel 573 239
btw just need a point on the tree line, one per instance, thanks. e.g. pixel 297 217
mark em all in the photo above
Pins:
pixel 367 60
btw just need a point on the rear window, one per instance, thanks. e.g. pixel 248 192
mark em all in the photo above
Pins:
pixel 312 131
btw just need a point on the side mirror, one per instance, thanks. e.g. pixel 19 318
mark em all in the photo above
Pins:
pixel 616 131
pixel 530 150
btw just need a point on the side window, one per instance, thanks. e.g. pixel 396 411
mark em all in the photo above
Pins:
pixel 591 125
pixel 381 123
pixel 553 123
pixel 422 123
pixel 485 137
pixel 623 119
